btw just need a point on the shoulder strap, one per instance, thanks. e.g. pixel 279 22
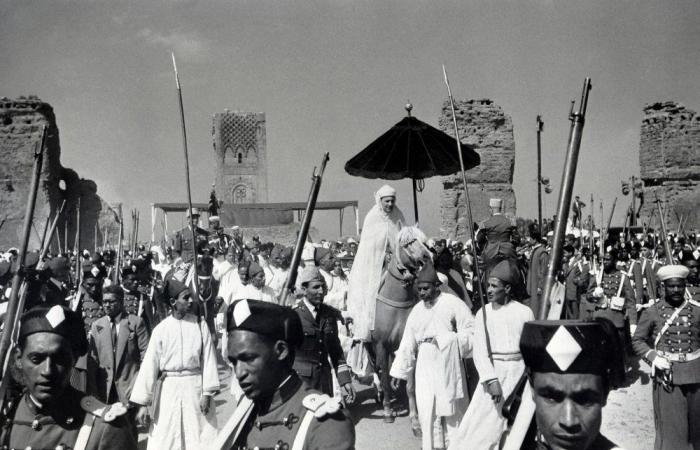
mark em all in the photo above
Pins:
pixel 622 283
pixel 84 433
pixel 303 430
pixel 668 323
pixel 229 433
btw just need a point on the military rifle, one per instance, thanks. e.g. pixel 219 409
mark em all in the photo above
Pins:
pixel 13 311
pixel 316 179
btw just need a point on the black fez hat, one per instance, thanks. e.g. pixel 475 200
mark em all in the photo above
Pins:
pixel 57 319
pixel 573 346
pixel 91 271
pixel 59 267
pixel 268 319
pixel 174 288
pixel 321 253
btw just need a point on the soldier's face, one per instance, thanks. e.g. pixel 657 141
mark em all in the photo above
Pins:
pixel 92 286
pixel 45 362
pixel 257 363
pixel 315 291
pixel 674 289
pixel 568 408
pixel 608 262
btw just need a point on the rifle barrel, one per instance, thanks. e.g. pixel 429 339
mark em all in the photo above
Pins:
pixel 13 311
pixel 567 187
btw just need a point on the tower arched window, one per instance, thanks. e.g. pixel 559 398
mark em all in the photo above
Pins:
pixel 240 158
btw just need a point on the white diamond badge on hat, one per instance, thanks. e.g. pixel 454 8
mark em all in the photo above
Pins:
pixel 563 348
pixel 55 316
pixel 95 271
pixel 241 312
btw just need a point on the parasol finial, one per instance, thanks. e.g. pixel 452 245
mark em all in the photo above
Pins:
pixel 408 108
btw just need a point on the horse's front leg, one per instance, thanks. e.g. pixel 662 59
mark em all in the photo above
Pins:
pixel 383 365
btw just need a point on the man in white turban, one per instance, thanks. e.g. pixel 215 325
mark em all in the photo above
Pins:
pixel 379 230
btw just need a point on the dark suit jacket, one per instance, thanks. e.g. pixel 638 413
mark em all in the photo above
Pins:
pixel 320 342
pixel 117 369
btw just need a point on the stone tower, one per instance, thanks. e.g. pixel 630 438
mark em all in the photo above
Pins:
pixel 669 159
pixel 241 151
pixel 485 126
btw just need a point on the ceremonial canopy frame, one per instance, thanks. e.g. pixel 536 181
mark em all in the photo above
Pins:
pixel 298 207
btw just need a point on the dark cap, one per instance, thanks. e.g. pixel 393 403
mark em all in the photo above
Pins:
pixel 573 346
pixel 56 319
pixel 427 274
pixel 505 271
pixel 268 319
pixel 321 253
pixel 173 288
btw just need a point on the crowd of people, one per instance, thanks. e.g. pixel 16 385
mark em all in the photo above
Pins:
pixel 111 344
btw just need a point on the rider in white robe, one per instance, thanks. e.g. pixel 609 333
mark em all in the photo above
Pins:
pixel 437 337
pixel 378 232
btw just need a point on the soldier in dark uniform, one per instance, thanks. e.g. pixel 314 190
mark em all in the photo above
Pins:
pixel 692 283
pixel 183 238
pixel 610 295
pixel 50 413
pixel 277 410
pixel 571 367
pixel 497 232
pixel 668 338
pixel 321 342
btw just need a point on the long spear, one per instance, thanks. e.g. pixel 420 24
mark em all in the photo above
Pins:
pixel 189 190
pixel 477 270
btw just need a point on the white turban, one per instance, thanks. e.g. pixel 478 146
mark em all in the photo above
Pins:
pixel 385 191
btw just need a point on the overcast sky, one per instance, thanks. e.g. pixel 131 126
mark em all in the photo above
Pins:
pixel 334 75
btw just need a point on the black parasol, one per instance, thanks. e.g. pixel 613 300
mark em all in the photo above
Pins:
pixel 411 149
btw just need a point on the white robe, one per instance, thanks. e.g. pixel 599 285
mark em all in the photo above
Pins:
pixel 175 346
pixel 483 424
pixel 378 231
pixel 441 382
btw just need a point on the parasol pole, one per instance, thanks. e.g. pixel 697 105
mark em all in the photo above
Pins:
pixel 189 190
pixel 415 200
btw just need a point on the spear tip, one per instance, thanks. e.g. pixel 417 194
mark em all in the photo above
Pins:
pixel 174 64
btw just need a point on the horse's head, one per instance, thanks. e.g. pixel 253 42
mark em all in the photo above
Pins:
pixel 412 251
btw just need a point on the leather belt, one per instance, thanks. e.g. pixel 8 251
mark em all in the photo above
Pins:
pixel 181 373
pixel 681 357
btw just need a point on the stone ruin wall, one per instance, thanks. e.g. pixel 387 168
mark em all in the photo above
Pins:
pixel 669 160
pixel 21 123
pixel 483 125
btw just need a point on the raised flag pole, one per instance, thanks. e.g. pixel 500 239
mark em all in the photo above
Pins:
pixel 189 190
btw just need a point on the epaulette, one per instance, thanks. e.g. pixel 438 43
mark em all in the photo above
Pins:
pixel 297 304
pixel 106 412
pixel 321 405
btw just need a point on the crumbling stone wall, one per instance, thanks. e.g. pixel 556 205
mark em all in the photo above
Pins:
pixel 21 124
pixel 669 159
pixel 485 126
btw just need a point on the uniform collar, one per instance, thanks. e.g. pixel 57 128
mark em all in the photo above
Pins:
pixel 287 389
